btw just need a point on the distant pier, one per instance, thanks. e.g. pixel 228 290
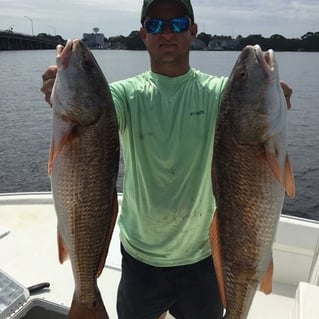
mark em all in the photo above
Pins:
pixel 17 41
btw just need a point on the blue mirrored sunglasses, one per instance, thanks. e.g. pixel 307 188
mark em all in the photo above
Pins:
pixel 177 25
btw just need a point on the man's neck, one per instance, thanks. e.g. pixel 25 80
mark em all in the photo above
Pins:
pixel 171 70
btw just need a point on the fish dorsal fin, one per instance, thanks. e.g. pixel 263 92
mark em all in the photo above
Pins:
pixel 214 235
pixel 284 175
pixel 266 283
pixel 108 234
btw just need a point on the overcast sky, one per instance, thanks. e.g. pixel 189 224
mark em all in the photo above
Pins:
pixel 72 18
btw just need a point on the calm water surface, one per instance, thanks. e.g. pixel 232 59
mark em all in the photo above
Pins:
pixel 25 117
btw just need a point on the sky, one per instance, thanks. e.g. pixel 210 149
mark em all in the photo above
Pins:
pixel 72 18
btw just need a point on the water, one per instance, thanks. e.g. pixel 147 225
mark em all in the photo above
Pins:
pixel 25 117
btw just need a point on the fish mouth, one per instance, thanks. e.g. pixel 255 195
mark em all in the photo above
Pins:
pixel 266 60
pixel 64 53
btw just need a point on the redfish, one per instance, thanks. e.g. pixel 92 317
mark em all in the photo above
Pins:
pixel 83 164
pixel 251 172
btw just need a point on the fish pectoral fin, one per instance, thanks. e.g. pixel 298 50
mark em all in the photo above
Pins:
pixel 274 165
pixel 109 234
pixel 63 252
pixel 214 235
pixel 284 176
pixel 266 283
pixel 65 133
pixel 289 179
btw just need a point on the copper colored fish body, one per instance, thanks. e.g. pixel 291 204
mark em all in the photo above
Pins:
pixel 250 174
pixel 83 165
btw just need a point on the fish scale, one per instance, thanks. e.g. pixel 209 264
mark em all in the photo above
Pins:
pixel 246 217
pixel 83 164
pixel 250 172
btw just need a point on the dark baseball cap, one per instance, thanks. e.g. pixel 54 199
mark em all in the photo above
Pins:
pixel 185 3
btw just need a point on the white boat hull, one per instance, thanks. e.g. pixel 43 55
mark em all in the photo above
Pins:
pixel 29 254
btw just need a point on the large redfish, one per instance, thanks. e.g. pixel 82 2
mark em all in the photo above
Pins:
pixel 83 164
pixel 251 172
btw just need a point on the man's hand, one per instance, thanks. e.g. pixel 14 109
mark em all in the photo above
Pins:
pixel 287 93
pixel 48 78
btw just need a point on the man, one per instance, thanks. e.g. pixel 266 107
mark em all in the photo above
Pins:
pixel 166 121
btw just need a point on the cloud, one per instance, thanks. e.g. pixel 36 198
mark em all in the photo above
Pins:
pixel 290 18
pixel 72 18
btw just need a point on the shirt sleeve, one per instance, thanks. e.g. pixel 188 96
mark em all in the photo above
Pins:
pixel 120 103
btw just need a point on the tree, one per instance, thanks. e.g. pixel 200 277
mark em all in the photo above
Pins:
pixel 204 37
pixel 310 41
pixel 277 37
pixel 134 41
pixel 307 35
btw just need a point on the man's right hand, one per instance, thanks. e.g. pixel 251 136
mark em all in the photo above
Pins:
pixel 48 78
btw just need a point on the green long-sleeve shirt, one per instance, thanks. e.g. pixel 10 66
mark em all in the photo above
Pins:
pixel 167 130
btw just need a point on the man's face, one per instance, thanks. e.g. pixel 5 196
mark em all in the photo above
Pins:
pixel 168 47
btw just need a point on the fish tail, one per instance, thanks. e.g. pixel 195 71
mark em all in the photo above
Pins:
pixel 80 310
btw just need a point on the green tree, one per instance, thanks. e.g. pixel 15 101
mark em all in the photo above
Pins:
pixel 204 37
pixel 134 41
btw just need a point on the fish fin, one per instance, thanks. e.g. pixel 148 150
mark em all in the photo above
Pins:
pixel 63 252
pixel 108 234
pixel 289 179
pixel 80 310
pixel 266 283
pixel 285 177
pixel 287 91
pixel 58 141
pixel 274 165
pixel 214 234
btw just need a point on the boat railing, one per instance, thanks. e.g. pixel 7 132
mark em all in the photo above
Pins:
pixel 314 270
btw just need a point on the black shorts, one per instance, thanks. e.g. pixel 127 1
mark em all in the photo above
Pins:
pixel 188 292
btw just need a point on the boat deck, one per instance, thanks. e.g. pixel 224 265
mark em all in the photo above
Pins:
pixel 29 255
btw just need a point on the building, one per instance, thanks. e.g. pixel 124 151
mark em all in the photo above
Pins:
pixel 95 40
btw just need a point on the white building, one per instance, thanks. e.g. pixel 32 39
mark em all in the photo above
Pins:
pixel 94 40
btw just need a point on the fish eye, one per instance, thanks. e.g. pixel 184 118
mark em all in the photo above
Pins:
pixel 86 62
pixel 242 75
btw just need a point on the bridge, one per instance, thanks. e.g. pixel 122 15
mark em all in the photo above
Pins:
pixel 17 41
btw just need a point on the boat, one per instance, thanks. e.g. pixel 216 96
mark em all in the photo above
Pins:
pixel 28 251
